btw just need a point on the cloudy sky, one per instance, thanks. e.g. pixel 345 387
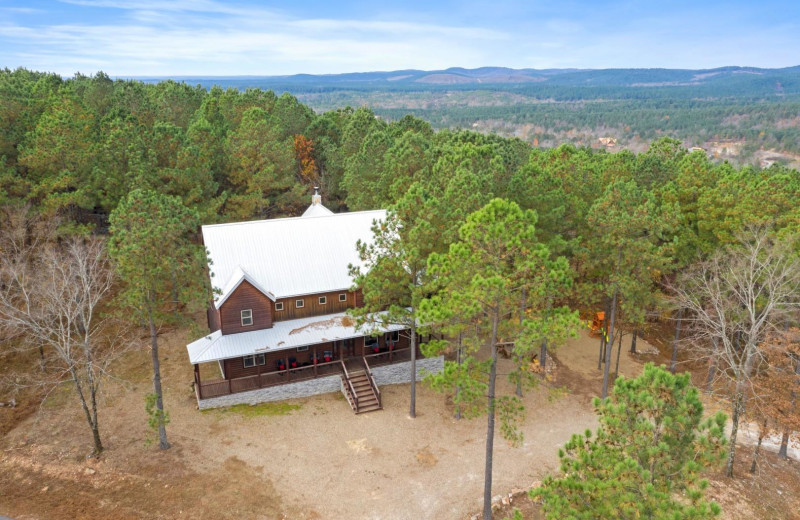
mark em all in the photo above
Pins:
pixel 216 37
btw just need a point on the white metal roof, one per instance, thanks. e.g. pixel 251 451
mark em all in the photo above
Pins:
pixel 283 335
pixel 288 256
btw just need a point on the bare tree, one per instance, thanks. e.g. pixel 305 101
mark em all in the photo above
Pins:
pixel 732 302
pixel 51 295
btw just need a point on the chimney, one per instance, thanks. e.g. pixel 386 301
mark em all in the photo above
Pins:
pixel 316 198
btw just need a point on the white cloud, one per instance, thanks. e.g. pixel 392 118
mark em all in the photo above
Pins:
pixel 206 37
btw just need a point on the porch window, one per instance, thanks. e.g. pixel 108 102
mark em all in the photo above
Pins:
pixel 371 344
pixel 247 317
pixel 323 300
pixel 343 297
pixel 250 361
pixel 302 349
pixel 279 306
pixel 299 304
pixel 394 337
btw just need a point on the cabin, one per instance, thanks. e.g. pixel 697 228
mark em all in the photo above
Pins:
pixel 278 322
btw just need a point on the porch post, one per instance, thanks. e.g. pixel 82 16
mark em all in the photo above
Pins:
pixel 197 380
pixel 258 367
pixel 288 374
pixel 315 361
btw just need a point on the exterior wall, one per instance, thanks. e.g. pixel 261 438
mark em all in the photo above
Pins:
pixel 213 318
pixel 235 367
pixel 245 297
pixel 385 375
pixel 312 306
pixel 398 373
pixel 322 385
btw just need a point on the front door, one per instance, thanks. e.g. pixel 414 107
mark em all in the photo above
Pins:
pixel 349 348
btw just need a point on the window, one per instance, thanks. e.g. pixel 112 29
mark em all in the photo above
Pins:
pixel 302 349
pixel 343 297
pixel 250 361
pixel 370 342
pixel 279 306
pixel 298 304
pixel 323 300
pixel 247 317
pixel 393 336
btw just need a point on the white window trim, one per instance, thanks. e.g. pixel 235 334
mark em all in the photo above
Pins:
pixel 323 300
pixel 369 341
pixel 393 336
pixel 343 297
pixel 301 302
pixel 278 306
pixel 252 360
pixel 302 349
pixel 261 359
pixel 243 318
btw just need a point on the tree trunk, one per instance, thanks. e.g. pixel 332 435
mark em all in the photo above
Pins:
pixel 633 340
pixel 458 388
pixel 738 409
pixel 783 452
pixel 521 320
pixel 603 336
pixel 674 361
pixel 543 358
pixel 619 351
pixel 602 349
pixel 757 452
pixel 162 428
pixel 413 409
pixel 487 477
pixel 98 446
pixel 609 345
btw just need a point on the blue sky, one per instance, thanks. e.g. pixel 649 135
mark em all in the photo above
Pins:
pixel 216 37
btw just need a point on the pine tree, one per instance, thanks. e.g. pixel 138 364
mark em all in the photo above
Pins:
pixel 645 459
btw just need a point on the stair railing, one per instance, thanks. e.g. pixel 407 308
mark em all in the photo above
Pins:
pixel 353 393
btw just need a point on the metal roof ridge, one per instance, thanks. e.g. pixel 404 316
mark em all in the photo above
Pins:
pixel 284 219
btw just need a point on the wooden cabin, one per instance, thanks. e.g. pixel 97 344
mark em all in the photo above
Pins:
pixel 278 323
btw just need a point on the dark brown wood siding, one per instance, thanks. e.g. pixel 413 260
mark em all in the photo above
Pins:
pixel 245 297
pixel 235 367
pixel 312 307
pixel 213 318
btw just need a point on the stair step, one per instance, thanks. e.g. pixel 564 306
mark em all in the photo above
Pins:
pixel 365 409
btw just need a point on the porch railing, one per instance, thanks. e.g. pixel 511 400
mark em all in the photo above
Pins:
pixel 218 387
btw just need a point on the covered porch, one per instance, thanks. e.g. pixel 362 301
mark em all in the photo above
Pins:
pixel 290 352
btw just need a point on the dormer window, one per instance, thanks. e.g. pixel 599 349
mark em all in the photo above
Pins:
pixel 299 304
pixel 343 297
pixel 247 317
pixel 279 306
pixel 323 300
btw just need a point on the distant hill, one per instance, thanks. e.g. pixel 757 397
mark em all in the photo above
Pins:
pixel 742 79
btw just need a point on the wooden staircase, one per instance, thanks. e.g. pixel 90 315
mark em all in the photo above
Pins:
pixel 361 391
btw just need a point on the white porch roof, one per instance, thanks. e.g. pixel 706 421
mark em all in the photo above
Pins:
pixel 283 335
